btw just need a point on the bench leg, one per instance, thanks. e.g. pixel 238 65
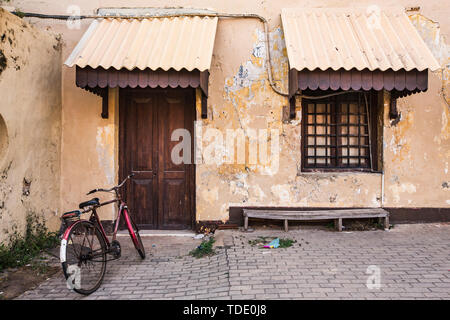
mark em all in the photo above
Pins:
pixel 245 223
pixel 386 222
pixel 338 224
pixel 286 225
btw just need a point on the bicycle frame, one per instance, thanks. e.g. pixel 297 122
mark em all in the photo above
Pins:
pixel 94 218
pixel 123 211
pixel 106 246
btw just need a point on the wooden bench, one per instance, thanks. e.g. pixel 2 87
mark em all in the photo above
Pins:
pixel 337 215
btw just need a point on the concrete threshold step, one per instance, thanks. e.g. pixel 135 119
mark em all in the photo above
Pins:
pixel 160 233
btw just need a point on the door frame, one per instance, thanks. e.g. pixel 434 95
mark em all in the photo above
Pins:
pixel 122 129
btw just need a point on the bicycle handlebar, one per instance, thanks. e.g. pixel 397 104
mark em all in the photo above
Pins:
pixel 113 188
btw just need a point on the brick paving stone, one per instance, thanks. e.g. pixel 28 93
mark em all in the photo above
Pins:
pixel 413 260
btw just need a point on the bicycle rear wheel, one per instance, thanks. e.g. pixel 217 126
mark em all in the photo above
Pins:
pixel 83 257
pixel 134 234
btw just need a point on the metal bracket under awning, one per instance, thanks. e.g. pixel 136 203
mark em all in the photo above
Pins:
pixel 102 93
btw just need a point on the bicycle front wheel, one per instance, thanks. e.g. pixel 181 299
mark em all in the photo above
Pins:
pixel 83 257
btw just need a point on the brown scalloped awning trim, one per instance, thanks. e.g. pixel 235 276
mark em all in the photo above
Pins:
pixel 400 81
pixel 97 80
pixel 112 78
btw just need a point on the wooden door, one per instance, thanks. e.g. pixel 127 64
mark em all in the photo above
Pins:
pixel 160 195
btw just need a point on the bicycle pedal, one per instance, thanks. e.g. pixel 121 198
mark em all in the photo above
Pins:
pixel 116 249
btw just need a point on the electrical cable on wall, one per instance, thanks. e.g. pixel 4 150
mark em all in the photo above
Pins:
pixel 205 14
pixel 199 14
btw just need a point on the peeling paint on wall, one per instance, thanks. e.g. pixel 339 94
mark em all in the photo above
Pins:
pixel 282 192
pixel 416 148
pixel 445 126
pixel 430 31
pixel 397 189
pixel 399 143
pixel 250 103
pixel 105 151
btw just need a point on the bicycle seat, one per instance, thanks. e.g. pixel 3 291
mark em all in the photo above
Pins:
pixel 71 214
pixel 92 202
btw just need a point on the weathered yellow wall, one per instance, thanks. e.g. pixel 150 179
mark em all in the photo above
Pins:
pixel 416 150
pixel 30 107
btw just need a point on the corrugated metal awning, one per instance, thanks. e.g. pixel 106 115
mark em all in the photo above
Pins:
pixel 149 53
pixel 369 48
pixel 157 43
pixel 369 38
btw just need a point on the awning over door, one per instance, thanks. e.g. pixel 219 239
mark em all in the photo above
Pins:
pixel 355 49
pixel 156 52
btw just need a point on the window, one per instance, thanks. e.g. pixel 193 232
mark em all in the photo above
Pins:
pixel 338 133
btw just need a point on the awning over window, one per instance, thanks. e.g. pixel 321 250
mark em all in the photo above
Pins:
pixel 370 48
pixel 157 52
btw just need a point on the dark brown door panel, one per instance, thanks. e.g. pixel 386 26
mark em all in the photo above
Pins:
pixel 160 195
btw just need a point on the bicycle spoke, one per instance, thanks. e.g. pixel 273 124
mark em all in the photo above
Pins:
pixel 82 244
pixel 76 255
pixel 92 240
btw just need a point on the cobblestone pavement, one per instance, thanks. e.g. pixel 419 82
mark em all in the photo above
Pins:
pixel 413 262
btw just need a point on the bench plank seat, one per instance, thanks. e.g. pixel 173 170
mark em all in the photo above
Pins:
pixel 336 214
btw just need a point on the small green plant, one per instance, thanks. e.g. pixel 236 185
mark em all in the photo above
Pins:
pixel 378 225
pixel 286 243
pixel 204 249
pixel 22 249
pixel 19 13
pixel 261 241
pixel 330 225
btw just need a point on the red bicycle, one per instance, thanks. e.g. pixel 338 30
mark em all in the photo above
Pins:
pixel 85 246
